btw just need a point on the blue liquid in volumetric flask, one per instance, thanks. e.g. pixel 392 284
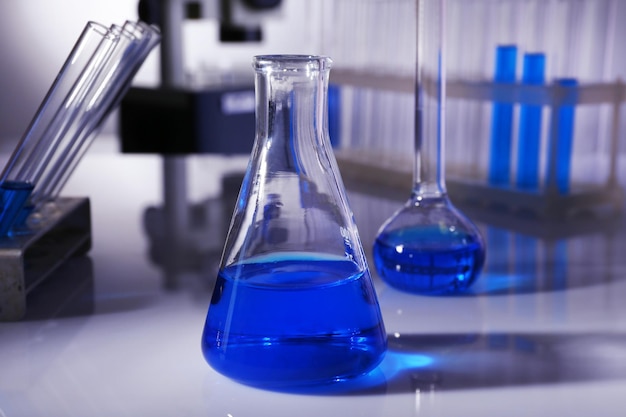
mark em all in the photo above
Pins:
pixel 282 321
pixel 428 260
pixel 13 195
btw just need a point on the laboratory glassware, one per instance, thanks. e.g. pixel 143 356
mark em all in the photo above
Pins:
pixel 114 81
pixel 96 75
pixel 84 100
pixel 428 246
pixel 27 162
pixel 294 304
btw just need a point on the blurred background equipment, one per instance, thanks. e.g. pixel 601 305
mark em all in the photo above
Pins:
pixel 535 117
pixel 182 116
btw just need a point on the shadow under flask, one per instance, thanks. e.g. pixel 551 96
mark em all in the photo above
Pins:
pixel 294 303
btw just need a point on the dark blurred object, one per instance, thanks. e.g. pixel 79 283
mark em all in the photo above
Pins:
pixel 200 249
pixel 239 19
pixel 68 292
pixel 177 119
pixel 180 121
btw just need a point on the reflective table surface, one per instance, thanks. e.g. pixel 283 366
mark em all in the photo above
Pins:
pixel 543 333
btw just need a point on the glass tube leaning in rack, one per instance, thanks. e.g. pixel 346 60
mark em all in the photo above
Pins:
pixel 67 128
pixel 22 171
pixel 114 81
pixel 68 120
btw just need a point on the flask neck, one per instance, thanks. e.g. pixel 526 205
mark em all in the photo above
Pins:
pixel 429 166
pixel 291 105
pixel 430 122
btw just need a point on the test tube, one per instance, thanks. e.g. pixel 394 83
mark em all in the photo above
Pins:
pixel 22 171
pixel 79 105
pixel 502 119
pixel 561 136
pixel 114 82
pixel 529 137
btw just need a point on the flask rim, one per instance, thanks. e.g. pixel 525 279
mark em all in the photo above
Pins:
pixel 291 63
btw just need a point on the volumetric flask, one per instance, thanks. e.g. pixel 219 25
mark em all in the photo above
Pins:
pixel 428 246
pixel 294 304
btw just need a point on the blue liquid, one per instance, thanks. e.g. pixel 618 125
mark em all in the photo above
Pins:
pixel 561 138
pixel 13 195
pixel 428 260
pixel 502 119
pixel 530 126
pixel 284 322
pixel 334 114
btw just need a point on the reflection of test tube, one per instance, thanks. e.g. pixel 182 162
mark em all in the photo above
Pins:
pixel 561 136
pixel 530 126
pixel 502 119
pixel 23 169
pixel 112 84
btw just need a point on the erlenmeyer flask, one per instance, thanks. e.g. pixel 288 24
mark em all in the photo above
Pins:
pixel 294 304
pixel 428 246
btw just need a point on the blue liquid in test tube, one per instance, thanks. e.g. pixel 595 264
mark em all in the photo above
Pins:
pixel 13 195
pixel 530 126
pixel 561 137
pixel 502 119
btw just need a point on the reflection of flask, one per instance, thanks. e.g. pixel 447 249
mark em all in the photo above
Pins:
pixel 429 246
pixel 293 303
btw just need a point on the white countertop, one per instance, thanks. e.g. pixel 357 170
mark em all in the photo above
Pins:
pixel 543 333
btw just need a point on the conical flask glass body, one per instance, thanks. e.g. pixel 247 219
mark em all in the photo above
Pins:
pixel 294 302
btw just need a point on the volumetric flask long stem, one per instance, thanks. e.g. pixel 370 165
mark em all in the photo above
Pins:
pixel 19 175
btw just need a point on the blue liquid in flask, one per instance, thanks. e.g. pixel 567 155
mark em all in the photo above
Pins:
pixel 428 260
pixel 13 195
pixel 283 320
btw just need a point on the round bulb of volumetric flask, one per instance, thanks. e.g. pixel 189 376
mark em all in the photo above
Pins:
pixel 429 247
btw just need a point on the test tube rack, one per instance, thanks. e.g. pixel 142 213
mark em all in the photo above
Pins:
pixel 390 169
pixel 547 202
pixel 26 260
